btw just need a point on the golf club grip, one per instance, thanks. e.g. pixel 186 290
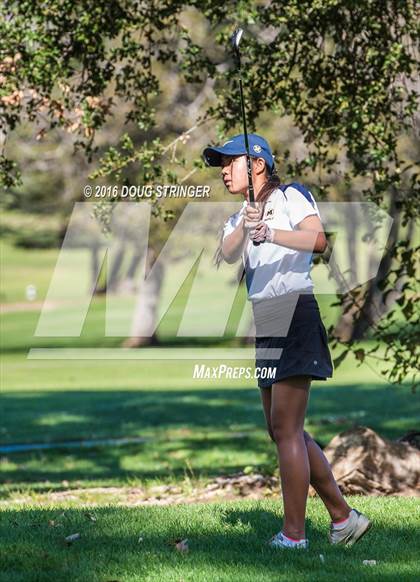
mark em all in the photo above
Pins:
pixel 255 243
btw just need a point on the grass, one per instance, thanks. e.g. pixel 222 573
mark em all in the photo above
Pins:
pixel 227 541
pixel 200 427
pixel 206 430
pixel 193 431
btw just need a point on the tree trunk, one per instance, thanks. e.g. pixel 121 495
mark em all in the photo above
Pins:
pixel 360 316
pixel 94 269
pixel 127 284
pixel 379 304
pixel 112 281
pixel 145 317
pixel 351 246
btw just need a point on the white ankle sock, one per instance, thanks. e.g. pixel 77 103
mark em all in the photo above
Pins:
pixel 291 541
pixel 341 524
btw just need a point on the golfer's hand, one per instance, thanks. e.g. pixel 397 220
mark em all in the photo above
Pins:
pixel 252 216
pixel 261 233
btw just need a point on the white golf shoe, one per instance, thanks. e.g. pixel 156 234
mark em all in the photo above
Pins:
pixel 281 541
pixel 354 528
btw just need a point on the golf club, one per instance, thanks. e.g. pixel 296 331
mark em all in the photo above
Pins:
pixel 236 39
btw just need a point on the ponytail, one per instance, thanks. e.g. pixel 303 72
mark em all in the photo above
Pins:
pixel 218 255
pixel 269 186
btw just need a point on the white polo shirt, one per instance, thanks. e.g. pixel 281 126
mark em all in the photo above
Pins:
pixel 272 270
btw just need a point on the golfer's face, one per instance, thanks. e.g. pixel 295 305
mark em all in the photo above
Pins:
pixel 234 174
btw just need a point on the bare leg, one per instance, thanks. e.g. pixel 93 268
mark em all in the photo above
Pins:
pixel 266 402
pixel 321 477
pixel 288 406
pixel 322 480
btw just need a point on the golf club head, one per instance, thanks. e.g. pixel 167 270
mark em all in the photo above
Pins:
pixel 236 39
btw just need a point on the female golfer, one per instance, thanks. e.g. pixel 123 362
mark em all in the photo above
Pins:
pixel 291 340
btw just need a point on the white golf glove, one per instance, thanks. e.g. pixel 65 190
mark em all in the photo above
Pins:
pixel 252 216
pixel 261 233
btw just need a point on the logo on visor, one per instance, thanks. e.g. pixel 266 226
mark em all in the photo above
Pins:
pixel 257 148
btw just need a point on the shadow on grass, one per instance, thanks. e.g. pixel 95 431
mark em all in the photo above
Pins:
pixel 103 467
pixel 214 430
pixel 226 542
pixel 19 344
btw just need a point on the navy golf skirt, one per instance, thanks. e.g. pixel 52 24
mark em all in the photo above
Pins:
pixel 290 338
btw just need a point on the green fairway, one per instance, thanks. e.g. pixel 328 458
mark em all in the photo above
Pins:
pixel 192 431
pixel 198 198
pixel 199 427
pixel 209 428
pixel 226 542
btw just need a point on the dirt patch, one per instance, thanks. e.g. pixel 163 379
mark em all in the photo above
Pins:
pixel 29 306
pixel 363 463
pixel 366 464
pixel 238 486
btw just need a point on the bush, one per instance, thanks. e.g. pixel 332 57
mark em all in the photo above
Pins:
pixel 31 231
pixel 37 239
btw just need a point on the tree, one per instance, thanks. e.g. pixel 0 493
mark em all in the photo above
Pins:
pixel 344 71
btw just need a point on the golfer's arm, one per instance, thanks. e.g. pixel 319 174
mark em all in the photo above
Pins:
pixel 233 245
pixel 310 236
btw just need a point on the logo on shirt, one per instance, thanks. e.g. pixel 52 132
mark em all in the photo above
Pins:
pixel 270 214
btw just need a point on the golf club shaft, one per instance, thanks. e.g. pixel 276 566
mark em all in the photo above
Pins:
pixel 248 157
pixel 236 39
